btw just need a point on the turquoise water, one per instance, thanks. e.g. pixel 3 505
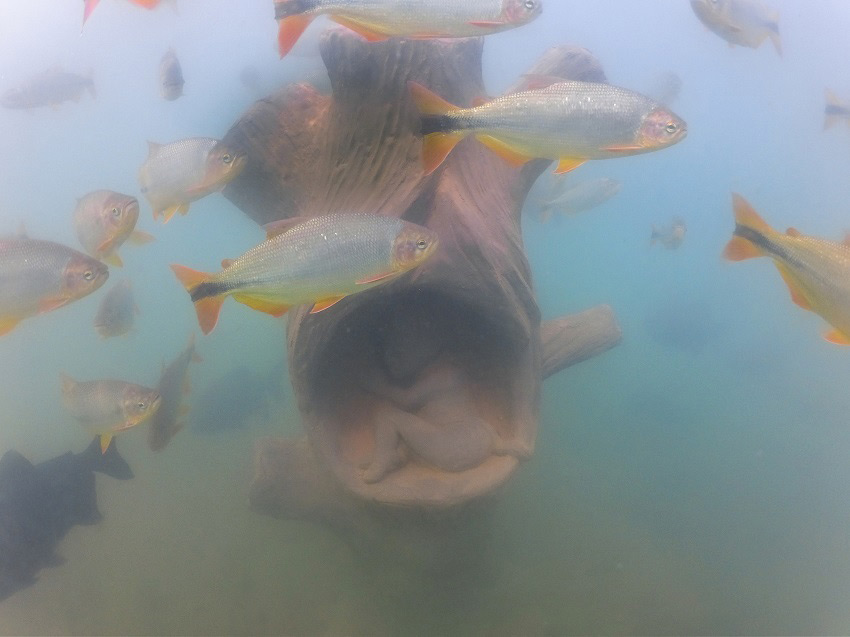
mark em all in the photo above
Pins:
pixel 673 490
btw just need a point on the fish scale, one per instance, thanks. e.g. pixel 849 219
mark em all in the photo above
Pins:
pixel 177 166
pixel 448 17
pixel 99 405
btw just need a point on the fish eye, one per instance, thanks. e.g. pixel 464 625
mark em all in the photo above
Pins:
pixel 671 128
pixel 116 212
pixel 226 158
pixel 530 4
pixel 422 244
pixel 88 275
pixel 142 405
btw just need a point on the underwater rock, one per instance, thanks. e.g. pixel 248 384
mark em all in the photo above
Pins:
pixel 469 312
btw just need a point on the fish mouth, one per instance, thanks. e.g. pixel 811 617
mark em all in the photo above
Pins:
pixel 416 396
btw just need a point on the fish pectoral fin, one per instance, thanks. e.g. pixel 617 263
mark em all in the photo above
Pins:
pixel 838 337
pixel 7 324
pixel 361 29
pixel 487 24
pixel 50 304
pixel 113 260
pixel 621 148
pixel 182 208
pixel 797 294
pixel 275 308
pixel 567 164
pixel 537 81
pixel 504 150
pixel 105 439
pixel 324 304
pixel 376 278
pixel 139 237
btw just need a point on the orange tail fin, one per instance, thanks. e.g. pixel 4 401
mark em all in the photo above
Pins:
pixel 289 30
pixel 207 307
pixel 738 247
pixel 438 138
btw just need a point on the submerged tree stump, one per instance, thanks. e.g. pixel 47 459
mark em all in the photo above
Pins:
pixel 451 349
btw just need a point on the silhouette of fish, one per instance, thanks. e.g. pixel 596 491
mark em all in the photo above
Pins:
pixel 40 503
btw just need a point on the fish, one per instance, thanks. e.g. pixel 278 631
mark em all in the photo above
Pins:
pixel 319 260
pixel 570 122
pixel 740 22
pixel 176 174
pixel 173 385
pixel 117 311
pixel 38 276
pixel 40 503
pixel 672 237
pixel 107 407
pixel 580 197
pixel 816 271
pixel 48 88
pixel 104 220
pixel 379 20
pixel 234 400
pixel 90 5
pixel 170 76
pixel 835 111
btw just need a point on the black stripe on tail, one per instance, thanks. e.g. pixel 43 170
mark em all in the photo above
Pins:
pixel 207 290
pixel 285 8
pixel 436 124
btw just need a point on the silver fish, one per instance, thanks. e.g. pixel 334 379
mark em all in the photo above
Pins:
pixel 170 76
pixel 117 311
pixel 103 220
pixel 742 22
pixel 382 19
pixel 40 276
pixel 172 387
pixel 580 197
pixel 49 88
pixel 176 174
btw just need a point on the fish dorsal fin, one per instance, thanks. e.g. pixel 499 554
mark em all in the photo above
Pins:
pixel 537 81
pixel 793 232
pixel 481 100
pixel 153 148
pixel 275 228
pixel 226 263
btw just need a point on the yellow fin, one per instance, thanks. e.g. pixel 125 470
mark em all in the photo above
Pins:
pixel 208 307
pixel 739 249
pixel 105 439
pixel 837 337
pixel 290 29
pixel 503 150
pixel 113 260
pixel 7 324
pixel 436 147
pixel 745 215
pixel 182 208
pixel 138 237
pixel 361 29
pixel 793 232
pixel 566 164
pixel 275 308
pixel 325 304
pixel 797 294
pixel 226 263
pixel 428 102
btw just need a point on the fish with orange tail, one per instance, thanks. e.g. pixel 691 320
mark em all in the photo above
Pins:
pixel 816 271
pixel 419 19
pixel 319 260
pixel 91 5
pixel 570 122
